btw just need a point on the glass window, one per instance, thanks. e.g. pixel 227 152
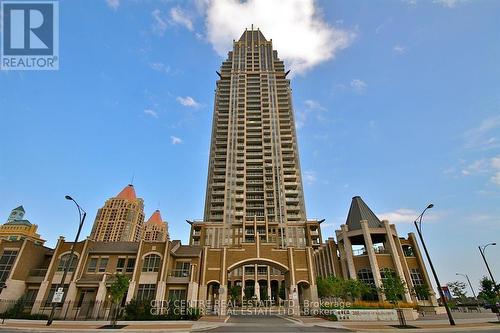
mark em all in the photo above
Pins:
pixel 30 296
pixel 103 263
pixel 151 263
pixel 6 262
pixel 177 294
pixel 92 265
pixel 416 277
pixel 120 265
pixel 63 262
pixel 365 275
pixel 146 292
pixel 130 265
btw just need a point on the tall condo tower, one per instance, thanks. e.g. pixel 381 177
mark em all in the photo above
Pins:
pixel 121 219
pixel 254 186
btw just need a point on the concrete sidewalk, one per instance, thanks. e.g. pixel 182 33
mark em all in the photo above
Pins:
pixel 422 324
pixel 96 326
pixel 212 322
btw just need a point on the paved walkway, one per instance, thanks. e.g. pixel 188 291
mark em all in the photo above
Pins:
pixel 261 324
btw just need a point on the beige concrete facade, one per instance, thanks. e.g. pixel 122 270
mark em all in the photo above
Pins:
pixel 368 247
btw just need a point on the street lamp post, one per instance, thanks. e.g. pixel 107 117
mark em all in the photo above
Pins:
pixel 482 249
pixel 419 230
pixel 82 214
pixel 470 285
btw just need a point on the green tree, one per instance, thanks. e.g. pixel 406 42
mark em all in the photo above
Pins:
pixel 458 289
pixel 116 291
pixel 488 293
pixel 393 287
pixel 235 293
pixel 422 291
pixel 324 286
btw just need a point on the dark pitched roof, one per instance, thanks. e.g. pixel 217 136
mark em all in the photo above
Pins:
pixel 21 208
pixel 360 211
pixel 187 251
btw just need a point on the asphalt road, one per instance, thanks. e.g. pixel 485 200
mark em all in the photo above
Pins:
pixel 264 324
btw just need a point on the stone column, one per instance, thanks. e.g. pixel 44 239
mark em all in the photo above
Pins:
pixel 100 297
pixel 348 252
pixel 40 297
pixel 70 298
pixel 130 291
pixel 161 288
pixel 372 257
pixel 202 297
pixel 294 291
pixel 243 283
pixel 395 257
pixel 223 285
pixel 256 282
pixel 268 282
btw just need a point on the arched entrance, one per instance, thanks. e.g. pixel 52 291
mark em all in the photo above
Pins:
pixel 256 280
pixel 247 278
pixel 212 296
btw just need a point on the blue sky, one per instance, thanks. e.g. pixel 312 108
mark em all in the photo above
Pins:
pixel 396 101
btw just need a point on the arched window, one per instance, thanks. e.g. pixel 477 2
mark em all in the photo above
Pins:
pixel 408 251
pixel 151 263
pixel 64 261
pixel 365 275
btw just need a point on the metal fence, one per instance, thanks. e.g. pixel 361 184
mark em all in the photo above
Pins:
pixel 85 310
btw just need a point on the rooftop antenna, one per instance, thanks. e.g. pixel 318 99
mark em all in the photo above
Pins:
pixel 132 180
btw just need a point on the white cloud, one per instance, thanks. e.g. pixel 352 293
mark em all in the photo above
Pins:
pixel 312 107
pixel 485 166
pixel 299 33
pixel 481 137
pixel 399 49
pixel 405 215
pixel 151 113
pixel 496 178
pixel 449 3
pixel 159 23
pixel 178 16
pixel 175 140
pixel 188 101
pixel 309 177
pixel 444 3
pixel 358 85
pixel 160 67
pixel 114 4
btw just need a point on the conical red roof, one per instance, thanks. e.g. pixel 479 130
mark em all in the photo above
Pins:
pixel 127 193
pixel 155 218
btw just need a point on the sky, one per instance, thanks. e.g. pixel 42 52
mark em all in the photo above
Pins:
pixel 396 101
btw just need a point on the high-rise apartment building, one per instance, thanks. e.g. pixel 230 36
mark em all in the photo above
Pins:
pixel 254 177
pixel 255 230
pixel 155 230
pixel 121 219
